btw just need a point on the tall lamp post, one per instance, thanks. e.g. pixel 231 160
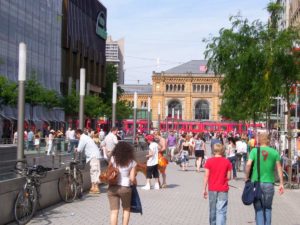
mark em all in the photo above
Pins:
pixel 134 115
pixel 158 114
pixel 178 114
pixel 114 101
pixel 21 99
pixel 173 118
pixel 81 95
pixel 148 115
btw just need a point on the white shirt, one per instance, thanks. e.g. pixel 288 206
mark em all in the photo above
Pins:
pixel 72 135
pixel 241 147
pixel 124 173
pixel 153 160
pixel 91 149
pixel 101 135
pixel 110 141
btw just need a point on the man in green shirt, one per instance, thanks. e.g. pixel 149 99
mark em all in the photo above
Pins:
pixel 269 159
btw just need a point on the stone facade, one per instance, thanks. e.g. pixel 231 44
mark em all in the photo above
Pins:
pixel 190 89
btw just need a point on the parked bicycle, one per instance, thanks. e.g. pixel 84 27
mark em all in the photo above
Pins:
pixel 70 185
pixel 27 200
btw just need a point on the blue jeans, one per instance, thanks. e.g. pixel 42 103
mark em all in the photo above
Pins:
pixel 233 162
pixel 218 202
pixel 263 208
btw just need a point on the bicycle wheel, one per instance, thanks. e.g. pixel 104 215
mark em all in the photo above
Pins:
pixel 25 205
pixel 67 188
pixel 79 182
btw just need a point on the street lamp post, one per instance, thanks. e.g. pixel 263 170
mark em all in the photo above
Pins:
pixel 21 100
pixel 173 118
pixel 149 109
pixel 178 115
pixel 114 101
pixel 81 95
pixel 158 114
pixel 134 116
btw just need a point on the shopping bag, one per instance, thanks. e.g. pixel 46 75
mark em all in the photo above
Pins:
pixel 136 205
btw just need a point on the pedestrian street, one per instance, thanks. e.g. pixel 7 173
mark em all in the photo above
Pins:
pixel 180 203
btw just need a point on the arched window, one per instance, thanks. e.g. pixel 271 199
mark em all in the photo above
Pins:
pixel 176 105
pixel 198 88
pixel 202 88
pixel 202 110
pixel 145 104
pixel 206 88
pixel 194 87
pixel 175 87
pixel 142 104
pixel 182 87
pixel 167 87
pixel 171 87
pixel 210 88
pixel 179 87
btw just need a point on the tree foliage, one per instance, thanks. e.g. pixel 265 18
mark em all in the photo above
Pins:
pixel 256 64
pixel 8 92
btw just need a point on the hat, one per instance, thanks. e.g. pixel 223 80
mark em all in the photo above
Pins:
pixel 52 131
pixel 149 138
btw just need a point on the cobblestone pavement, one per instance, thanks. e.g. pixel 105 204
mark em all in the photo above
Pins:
pixel 180 203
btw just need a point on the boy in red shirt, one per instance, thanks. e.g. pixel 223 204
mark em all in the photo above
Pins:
pixel 217 173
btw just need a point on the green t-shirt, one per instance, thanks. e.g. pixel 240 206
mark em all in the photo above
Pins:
pixel 268 158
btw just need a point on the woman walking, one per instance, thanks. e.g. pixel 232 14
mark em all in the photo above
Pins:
pixel 230 152
pixel 199 151
pixel 123 159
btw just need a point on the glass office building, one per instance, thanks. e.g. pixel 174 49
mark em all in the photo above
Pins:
pixel 38 24
pixel 61 36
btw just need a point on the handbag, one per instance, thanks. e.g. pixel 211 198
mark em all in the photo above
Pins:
pixel 252 190
pixel 136 205
pixel 110 176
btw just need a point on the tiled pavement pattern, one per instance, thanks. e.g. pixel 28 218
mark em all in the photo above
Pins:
pixel 179 204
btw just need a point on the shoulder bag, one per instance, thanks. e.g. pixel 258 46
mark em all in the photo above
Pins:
pixel 252 190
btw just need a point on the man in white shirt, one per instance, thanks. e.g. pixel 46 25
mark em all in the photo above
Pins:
pixel 101 135
pixel 241 152
pixel 92 154
pixel 110 142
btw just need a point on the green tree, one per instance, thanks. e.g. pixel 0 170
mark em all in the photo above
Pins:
pixel 70 104
pixel 8 92
pixel 257 62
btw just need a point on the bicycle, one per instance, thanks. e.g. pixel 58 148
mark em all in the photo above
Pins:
pixel 70 185
pixel 28 198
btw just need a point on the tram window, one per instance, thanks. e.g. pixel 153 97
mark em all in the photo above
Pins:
pixel 180 126
pixel 244 127
pixel 223 127
pixel 170 126
pixel 234 127
pixel 130 126
pixel 206 127
pixel 195 127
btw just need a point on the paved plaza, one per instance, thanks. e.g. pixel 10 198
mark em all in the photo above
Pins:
pixel 180 203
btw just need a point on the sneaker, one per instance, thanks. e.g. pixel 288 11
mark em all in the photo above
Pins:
pixel 146 187
pixel 156 186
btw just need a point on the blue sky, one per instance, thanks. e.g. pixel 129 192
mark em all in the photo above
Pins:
pixel 171 30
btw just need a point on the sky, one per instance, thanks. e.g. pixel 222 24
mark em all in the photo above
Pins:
pixel 162 34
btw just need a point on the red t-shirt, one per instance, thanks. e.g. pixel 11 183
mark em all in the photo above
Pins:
pixel 218 168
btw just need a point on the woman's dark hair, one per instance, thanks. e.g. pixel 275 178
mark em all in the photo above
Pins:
pixel 123 153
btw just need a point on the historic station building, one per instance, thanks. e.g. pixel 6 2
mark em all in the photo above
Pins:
pixel 189 90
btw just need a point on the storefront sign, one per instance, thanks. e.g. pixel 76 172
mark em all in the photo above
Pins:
pixel 100 25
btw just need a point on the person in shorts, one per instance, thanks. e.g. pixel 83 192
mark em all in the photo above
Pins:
pixel 152 163
pixel 122 158
pixel 199 151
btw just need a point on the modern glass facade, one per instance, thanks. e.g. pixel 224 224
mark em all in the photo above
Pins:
pixel 37 23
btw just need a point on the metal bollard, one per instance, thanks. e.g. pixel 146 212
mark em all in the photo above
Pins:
pixel 59 160
pixel 53 161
